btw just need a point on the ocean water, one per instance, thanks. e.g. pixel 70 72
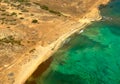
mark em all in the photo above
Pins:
pixel 92 57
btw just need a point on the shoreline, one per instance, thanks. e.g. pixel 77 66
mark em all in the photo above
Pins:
pixel 41 54
pixel 50 50
pixel 46 55
pixel 58 44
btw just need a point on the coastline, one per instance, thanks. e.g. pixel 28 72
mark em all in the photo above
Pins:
pixel 44 56
pixel 49 50
pixel 39 41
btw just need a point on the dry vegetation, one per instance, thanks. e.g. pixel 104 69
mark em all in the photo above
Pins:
pixel 25 24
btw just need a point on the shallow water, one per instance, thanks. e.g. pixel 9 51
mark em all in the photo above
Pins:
pixel 92 57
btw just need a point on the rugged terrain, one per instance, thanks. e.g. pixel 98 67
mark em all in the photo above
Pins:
pixel 31 31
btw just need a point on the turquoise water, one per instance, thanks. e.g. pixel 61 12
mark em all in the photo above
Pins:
pixel 92 57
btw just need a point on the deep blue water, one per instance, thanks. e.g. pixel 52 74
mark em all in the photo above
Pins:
pixel 93 57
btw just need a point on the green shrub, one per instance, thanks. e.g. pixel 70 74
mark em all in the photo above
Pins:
pixel 10 39
pixel 13 13
pixel 3 14
pixel 31 50
pixel 23 0
pixel 24 10
pixel 35 21
pixel 21 18
pixel 44 7
pixel 55 12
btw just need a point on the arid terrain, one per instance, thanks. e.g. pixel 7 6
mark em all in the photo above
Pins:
pixel 31 31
